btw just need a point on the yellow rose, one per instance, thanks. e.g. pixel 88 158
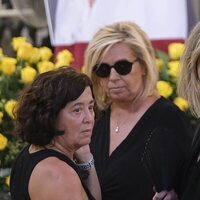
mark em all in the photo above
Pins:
pixel 3 142
pixel 28 74
pixel 181 103
pixel 174 68
pixel 17 42
pixel 24 52
pixel 1 117
pixel 175 50
pixel 64 58
pixel 45 66
pixel 159 64
pixel 8 65
pixel 164 88
pixel 8 180
pixel 45 53
pixel 9 107
pixel 35 55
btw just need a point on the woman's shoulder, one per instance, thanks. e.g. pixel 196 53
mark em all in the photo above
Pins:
pixel 167 107
pixel 53 176
pixel 54 168
pixel 169 115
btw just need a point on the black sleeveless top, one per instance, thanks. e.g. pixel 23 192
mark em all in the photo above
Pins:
pixel 24 165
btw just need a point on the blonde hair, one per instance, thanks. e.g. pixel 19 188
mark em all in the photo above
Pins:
pixel 189 82
pixel 132 35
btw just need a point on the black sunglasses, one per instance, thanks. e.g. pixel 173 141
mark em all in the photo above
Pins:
pixel 122 67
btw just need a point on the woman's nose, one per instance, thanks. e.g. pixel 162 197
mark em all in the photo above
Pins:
pixel 89 116
pixel 113 74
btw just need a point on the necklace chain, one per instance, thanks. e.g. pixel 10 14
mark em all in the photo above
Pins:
pixel 118 126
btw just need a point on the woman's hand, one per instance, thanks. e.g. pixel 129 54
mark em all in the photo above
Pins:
pixel 165 195
pixel 83 154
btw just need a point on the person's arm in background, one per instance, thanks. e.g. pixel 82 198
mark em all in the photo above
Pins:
pixel 83 155
pixel 91 2
pixel 165 195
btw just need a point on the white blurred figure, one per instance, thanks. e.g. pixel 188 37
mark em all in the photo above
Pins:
pixel 77 21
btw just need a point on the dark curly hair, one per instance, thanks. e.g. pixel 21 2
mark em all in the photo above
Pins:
pixel 40 102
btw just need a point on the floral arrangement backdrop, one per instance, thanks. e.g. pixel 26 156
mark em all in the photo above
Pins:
pixel 29 61
pixel 15 73
pixel 169 70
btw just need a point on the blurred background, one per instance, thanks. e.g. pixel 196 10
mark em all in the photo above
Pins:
pixel 60 24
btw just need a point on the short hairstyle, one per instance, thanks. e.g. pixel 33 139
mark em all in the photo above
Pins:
pixel 41 101
pixel 121 32
pixel 189 82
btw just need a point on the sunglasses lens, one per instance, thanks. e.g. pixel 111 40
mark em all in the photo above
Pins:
pixel 103 70
pixel 123 67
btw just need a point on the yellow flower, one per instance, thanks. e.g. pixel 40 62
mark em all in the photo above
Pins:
pixel 174 68
pixel 8 65
pixel 45 53
pixel 3 142
pixel 8 180
pixel 164 88
pixel 159 64
pixel 28 74
pixel 35 55
pixel 64 58
pixel 1 117
pixel 17 42
pixel 24 51
pixel 175 50
pixel 9 107
pixel 45 66
pixel 181 103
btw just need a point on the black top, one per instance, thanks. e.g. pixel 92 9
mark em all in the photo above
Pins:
pixel 24 165
pixel 191 184
pixel 122 175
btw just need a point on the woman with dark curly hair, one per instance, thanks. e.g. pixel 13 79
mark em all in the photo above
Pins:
pixel 55 116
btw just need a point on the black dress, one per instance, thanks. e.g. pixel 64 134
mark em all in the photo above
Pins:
pixel 24 165
pixel 191 183
pixel 122 175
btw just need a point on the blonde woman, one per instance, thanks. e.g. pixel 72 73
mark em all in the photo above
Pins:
pixel 120 61
pixel 189 88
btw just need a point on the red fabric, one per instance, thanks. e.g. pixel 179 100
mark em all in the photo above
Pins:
pixel 163 44
pixel 78 50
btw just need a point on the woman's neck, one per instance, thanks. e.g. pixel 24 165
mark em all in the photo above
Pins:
pixel 62 149
pixel 133 106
